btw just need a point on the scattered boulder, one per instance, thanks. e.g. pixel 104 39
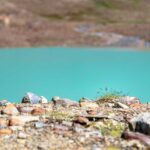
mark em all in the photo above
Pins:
pixel 63 102
pixel 10 110
pixel 31 98
pixel 141 123
pixel 34 99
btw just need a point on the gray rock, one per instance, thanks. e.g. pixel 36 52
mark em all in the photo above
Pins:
pixel 4 102
pixel 31 98
pixel 39 125
pixel 63 102
pixel 141 123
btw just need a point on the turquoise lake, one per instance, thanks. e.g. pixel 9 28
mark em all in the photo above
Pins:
pixel 73 72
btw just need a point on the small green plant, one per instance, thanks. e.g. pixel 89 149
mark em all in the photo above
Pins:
pixel 110 94
pixel 55 115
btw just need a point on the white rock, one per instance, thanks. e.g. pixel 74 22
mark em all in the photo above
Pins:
pixel 43 100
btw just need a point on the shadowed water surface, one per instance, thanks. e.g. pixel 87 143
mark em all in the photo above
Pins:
pixel 73 72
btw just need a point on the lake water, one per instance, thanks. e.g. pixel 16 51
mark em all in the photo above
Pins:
pixel 73 72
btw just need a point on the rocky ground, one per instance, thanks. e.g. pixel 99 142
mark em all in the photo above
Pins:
pixel 75 23
pixel 107 123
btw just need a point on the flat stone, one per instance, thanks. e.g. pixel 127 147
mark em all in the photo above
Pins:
pixel 21 120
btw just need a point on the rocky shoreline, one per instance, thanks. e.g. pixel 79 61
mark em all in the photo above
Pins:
pixel 62 124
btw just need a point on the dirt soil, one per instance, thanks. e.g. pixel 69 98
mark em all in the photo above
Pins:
pixel 71 23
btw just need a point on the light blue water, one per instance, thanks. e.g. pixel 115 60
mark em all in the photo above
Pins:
pixel 73 72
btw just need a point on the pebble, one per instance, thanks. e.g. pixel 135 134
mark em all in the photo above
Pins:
pixel 22 135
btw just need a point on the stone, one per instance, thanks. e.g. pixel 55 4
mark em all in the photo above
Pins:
pixel 141 123
pixel 5 131
pixel 82 120
pixel 21 120
pixel 38 111
pixel 31 98
pixel 4 103
pixel 25 109
pixel 67 123
pixel 121 105
pixel 63 102
pixel 16 128
pixel 3 122
pixel 39 125
pixel 88 104
pixel 129 100
pixel 137 136
pixel 10 110
pixel 43 100
pixel 136 106
pixel 91 111
pixel 22 135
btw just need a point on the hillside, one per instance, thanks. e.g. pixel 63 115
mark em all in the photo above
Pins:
pixel 73 22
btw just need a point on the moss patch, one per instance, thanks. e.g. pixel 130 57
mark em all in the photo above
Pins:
pixel 110 128
pixel 55 115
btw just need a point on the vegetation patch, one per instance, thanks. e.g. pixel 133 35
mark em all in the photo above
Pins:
pixel 105 4
pixel 109 95
pixel 110 128
pixel 55 115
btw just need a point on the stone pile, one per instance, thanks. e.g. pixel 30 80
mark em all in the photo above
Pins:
pixel 61 123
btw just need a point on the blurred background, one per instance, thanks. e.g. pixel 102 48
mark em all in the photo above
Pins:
pixel 34 23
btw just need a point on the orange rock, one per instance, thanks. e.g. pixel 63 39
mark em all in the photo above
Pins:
pixel 5 131
pixel 16 121
pixel 21 120
pixel 136 106
pixel 82 120
pixel 38 111
pixel 10 110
